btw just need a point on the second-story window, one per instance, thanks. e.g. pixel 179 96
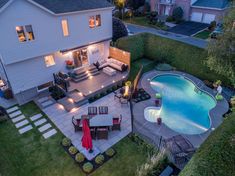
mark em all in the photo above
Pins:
pixel 65 28
pixel 94 21
pixel 25 33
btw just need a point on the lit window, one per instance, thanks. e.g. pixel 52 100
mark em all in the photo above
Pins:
pixel 92 22
pixel 29 32
pixel 98 20
pixel 25 33
pixel 21 34
pixel 49 60
pixel 65 27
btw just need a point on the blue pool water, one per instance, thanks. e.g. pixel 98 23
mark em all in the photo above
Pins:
pixel 185 109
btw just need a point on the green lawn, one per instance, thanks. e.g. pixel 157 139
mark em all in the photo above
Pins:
pixel 30 154
pixel 143 21
pixel 203 35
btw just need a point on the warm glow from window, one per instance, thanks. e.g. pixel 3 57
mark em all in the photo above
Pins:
pixel 92 22
pixel 65 27
pixel 49 60
pixel 25 33
pixel 98 20
pixel 21 34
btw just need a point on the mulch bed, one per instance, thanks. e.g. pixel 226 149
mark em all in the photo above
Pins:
pixel 95 165
pixel 140 95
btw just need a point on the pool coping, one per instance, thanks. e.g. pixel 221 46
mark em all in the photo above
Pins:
pixel 164 131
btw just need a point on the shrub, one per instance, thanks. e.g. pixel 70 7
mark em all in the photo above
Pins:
pixel 110 152
pixel 164 67
pixel 212 25
pixel 79 157
pixel 99 159
pixel 152 17
pixel 177 14
pixel 72 150
pixel 87 167
pixel 182 56
pixel 170 19
pixel 66 142
pixel 119 29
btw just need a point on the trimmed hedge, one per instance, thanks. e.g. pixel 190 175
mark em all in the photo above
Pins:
pixel 184 57
pixel 216 156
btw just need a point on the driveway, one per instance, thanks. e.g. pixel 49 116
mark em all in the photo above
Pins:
pixel 188 28
pixel 135 29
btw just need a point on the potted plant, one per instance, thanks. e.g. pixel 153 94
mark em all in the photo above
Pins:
pixel 217 83
pixel 159 120
pixel 69 64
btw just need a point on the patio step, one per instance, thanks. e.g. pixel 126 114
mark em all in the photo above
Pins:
pixel 49 133
pixel 10 110
pixel 67 104
pixel 43 99
pixel 85 77
pixel 47 104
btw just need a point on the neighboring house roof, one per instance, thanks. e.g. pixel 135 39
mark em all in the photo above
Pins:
pixel 68 6
pixel 3 3
pixel 63 6
pixel 218 4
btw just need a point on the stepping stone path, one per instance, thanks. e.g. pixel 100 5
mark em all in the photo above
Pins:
pixel 18 118
pixel 22 123
pixel 12 109
pixel 49 133
pixel 44 127
pixel 40 122
pixel 45 102
pixel 14 114
pixel 25 129
pixel 36 117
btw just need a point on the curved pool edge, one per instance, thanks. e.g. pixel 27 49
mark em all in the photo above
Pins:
pixel 215 113
pixel 206 92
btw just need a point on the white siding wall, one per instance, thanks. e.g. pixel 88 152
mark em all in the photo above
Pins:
pixel 47 31
pixel 33 72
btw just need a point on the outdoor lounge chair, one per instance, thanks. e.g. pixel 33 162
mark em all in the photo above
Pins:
pixel 117 123
pixel 103 110
pixel 102 133
pixel 92 111
pixel 77 124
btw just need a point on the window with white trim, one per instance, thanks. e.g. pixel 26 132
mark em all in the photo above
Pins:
pixel 65 27
pixel 95 21
pixel 49 60
pixel 25 33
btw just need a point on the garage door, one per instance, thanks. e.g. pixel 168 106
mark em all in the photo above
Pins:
pixel 208 18
pixel 196 16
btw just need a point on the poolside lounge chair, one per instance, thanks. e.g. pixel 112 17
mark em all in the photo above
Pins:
pixel 117 123
pixel 92 111
pixel 102 133
pixel 77 124
pixel 103 110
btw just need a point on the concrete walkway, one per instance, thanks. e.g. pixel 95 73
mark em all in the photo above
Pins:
pixel 135 29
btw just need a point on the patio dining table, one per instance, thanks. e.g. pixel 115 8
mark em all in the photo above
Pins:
pixel 101 120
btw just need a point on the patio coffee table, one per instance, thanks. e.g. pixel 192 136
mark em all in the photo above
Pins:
pixel 109 71
pixel 101 120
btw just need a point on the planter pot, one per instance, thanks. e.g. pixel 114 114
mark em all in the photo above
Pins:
pixel 159 120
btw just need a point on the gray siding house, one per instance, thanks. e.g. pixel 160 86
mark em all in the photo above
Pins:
pixel 35 33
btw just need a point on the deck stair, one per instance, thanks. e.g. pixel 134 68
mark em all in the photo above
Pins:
pixel 44 101
pixel 67 103
pixel 85 73
pixel 78 98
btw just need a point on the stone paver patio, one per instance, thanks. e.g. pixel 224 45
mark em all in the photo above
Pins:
pixel 63 121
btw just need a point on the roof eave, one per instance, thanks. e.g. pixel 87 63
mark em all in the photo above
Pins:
pixel 5 6
pixel 68 13
pixel 211 8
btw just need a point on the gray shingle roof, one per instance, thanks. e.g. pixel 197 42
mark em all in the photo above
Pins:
pixel 3 2
pixel 220 4
pixel 66 6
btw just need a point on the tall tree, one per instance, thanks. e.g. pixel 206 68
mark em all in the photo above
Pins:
pixel 221 52
pixel 135 4
pixel 120 4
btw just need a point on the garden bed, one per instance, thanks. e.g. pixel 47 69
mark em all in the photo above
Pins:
pixel 87 166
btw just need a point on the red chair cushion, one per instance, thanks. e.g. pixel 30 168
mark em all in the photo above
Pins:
pixel 115 121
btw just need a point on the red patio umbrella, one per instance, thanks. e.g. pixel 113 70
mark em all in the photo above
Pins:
pixel 86 138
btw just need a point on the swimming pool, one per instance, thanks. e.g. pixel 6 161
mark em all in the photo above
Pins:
pixel 185 108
